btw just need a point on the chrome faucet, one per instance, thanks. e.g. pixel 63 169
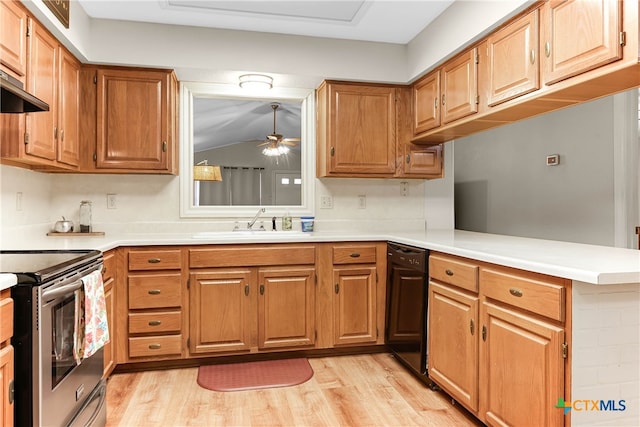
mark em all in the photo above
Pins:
pixel 255 218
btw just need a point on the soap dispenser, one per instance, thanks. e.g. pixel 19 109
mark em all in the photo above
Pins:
pixel 287 223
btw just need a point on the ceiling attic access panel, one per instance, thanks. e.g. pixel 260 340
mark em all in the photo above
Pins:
pixel 357 127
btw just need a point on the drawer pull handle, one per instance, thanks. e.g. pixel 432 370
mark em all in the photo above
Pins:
pixel 515 292
pixel 154 346
pixel 155 323
pixel 547 49
pixel 154 260
pixel 246 290
pixel 355 255
pixel 471 326
pixel 484 333
pixel 337 288
pixel 449 272
pixel 154 292
pixel 261 289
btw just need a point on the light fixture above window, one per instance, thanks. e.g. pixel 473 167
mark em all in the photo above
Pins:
pixel 205 172
pixel 256 81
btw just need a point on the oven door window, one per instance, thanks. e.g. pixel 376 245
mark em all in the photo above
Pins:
pixel 63 322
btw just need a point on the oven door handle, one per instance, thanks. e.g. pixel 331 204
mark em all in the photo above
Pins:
pixel 54 293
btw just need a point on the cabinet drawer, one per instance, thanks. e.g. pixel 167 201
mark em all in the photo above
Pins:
pixel 162 321
pixel 155 260
pixel 542 295
pixel 248 256
pixel 155 291
pixel 454 271
pixel 155 346
pixel 109 267
pixel 354 254
pixel 6 319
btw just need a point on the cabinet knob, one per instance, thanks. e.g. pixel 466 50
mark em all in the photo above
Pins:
pixel 484 333
pixel 11 392
pixel 61 134
pixel 471 326
pixel 164 146
pixel 435 103
pixel 246 289
pixel 154 292
pixel 261 289
pixel 337 288
pixel 408 158
pixel 154 346
pixel 547 49
pixel 448 272
pixel 333 151
pixel 443 99
pixel 532 56
pixel 516 292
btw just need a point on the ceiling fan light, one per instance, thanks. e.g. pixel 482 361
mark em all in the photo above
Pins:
pixel 256 81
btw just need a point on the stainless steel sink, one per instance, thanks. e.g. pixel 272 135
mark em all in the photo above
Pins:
pixel 245 234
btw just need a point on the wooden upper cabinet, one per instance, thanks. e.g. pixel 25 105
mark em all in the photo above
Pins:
pixel 41 127
pixel 356 129
pixel 579 36
pixel 68 134
pixel 460 87
pixel 513 60
pixel 426 103
pixel 13 38
pixel 134 120
pixel 413 161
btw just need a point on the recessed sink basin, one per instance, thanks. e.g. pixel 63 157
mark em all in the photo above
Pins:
pixel 240 234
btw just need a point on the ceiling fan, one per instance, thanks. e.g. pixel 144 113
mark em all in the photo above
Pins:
pixel 276 144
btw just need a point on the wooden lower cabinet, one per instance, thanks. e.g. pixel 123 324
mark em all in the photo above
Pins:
pixel 109 278
pixel 522 369
pixel 6 358
pixel 222 310
pixel 453 343
pixel 498 341
pixel 355 305
pixel 237 306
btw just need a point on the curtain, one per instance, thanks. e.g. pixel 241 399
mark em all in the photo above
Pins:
pixel 240 186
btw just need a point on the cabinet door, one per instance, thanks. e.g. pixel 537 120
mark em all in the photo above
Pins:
pixel 109 348
pixel 13 38
pixel 579 36
pixel 40 140
pixel 453 342
pixel 222 310
pixel 69 110
pixel 426 101
pixel 460 87
pixel 132 120
pixel 513 60
pixel 423 162
pixel 362 129
pixel 286 307
pixel 521 369
pixel 355 305
pixel 6 379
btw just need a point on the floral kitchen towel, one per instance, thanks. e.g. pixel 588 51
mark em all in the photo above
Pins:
pixel 96 329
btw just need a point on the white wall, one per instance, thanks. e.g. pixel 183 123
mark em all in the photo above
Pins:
pixel 503 185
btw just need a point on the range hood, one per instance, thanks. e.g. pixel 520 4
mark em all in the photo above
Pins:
pixel 14 99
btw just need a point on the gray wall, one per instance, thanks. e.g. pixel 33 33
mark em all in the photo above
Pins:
pixel 503 186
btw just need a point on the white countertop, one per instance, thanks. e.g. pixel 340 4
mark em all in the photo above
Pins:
pixel 7 281
pixel 600 265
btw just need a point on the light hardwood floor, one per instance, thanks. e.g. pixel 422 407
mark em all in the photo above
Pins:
pixel 362 390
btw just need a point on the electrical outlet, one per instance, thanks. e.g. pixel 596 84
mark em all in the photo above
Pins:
pixel 404 188
pixel 362 201
pixel 326 202
pixel 111 201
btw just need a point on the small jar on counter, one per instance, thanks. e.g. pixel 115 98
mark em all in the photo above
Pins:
pixel 85 216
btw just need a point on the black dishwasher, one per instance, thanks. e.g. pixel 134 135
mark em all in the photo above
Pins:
pixel 406 314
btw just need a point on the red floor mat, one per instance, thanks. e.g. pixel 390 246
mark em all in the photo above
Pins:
pixel 254 375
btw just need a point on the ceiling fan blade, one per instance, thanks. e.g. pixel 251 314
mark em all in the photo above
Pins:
pixel 291 139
